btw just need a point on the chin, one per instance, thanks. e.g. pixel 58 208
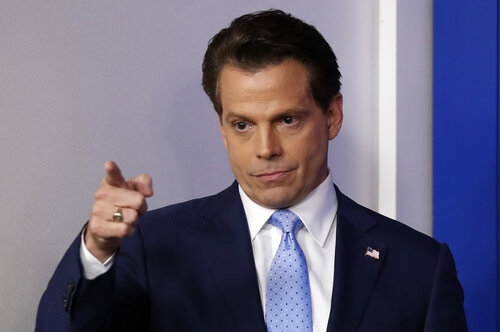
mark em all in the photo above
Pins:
pixel 276 200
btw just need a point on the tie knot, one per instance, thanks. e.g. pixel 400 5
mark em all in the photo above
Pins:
pixel 286 220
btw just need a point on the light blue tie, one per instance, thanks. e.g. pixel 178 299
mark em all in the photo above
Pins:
pixel 288 298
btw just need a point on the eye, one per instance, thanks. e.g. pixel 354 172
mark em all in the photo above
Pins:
pixel 289 120
pixel 241 126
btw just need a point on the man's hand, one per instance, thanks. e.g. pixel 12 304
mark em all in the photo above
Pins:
pixel 104 235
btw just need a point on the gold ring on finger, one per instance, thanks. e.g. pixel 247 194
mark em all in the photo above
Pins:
pixel 118 215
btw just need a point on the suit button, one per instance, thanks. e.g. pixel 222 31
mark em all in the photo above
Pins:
pixel 66 303
pixel 69 289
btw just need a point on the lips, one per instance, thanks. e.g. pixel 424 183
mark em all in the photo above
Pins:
pixel 270 176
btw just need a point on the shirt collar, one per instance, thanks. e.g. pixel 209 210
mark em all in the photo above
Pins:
pixel 317 211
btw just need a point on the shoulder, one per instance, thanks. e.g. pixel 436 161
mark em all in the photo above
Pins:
pixel 396 233
pixel 416 278
pixel 400 238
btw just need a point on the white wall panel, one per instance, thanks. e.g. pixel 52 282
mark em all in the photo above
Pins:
pixel 414 114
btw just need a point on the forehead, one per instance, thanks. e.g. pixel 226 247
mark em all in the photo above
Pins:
pixel 278 86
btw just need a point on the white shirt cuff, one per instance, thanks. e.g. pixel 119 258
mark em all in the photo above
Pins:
pixel 92 267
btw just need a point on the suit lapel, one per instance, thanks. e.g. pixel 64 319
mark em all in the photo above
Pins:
pixel 225 239
pixel 226 243
pixel 355 272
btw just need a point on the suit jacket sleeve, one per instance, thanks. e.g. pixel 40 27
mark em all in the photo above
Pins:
pixel 56 302
pixel 445 310
pixel 73 303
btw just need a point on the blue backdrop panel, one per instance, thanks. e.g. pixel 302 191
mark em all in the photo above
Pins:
pixel 466 149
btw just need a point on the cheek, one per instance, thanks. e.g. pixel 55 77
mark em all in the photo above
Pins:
pixel 314 156
pixel 237 157
pixel 311 148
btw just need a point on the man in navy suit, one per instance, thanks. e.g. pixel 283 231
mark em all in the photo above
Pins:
pixel 203 265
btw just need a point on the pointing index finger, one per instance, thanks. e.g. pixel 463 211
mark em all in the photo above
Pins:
pixel 113 175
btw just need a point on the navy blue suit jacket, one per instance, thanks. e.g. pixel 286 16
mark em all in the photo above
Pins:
pixel 190 267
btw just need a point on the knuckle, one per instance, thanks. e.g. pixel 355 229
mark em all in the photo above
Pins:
pixel 94 228
pixel 139 200
pixel 123 231
pixel 100 194
pixel 134 215
pixel 96 209
pixel 142 201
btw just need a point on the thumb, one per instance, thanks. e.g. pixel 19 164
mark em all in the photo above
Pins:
pixel 142 183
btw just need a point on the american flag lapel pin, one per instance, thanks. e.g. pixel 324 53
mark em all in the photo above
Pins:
pixel 370 252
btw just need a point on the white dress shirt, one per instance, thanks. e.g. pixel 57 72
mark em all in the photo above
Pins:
pixel 317 239
pixel 318 213
pixel 92 267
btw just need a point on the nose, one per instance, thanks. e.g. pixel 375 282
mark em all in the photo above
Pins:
pixel 268 144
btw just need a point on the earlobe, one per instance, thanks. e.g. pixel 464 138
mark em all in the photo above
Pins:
pixel 335 116
pixel 222 133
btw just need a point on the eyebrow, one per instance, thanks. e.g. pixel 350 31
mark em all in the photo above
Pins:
pixel 231 115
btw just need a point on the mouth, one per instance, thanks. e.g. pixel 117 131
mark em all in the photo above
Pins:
pixel 271 176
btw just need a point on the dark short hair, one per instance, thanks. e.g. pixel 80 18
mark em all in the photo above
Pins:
pixel 254 41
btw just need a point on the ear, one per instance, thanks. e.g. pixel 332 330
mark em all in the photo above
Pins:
pixel 334 116
pixel 222 132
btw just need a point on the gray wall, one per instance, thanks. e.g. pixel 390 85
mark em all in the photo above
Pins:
pixel 82 82
pixel 414 114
